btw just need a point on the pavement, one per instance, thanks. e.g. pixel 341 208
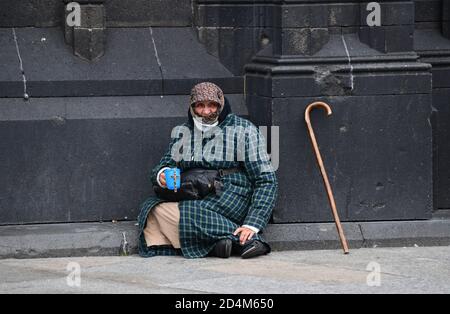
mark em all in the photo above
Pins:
pixel 366 270
pixel 108 238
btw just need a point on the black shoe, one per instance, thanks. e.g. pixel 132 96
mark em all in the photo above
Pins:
pixel 236 249
pixel 255 248
pixel 222 248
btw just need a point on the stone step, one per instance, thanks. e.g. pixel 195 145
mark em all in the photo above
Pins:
pixel 106 239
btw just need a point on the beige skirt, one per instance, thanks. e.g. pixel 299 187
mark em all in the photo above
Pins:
pixel 162 225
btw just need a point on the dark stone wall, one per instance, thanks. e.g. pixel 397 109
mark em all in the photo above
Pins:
pixel 377 146
pixel 128 68
pixel 83 158
pixel 120 13
pixel 235 31
pixel 397 21
pixel 433 45
pixel 80 149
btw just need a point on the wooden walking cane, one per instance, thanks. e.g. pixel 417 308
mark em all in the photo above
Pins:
pixel 323 171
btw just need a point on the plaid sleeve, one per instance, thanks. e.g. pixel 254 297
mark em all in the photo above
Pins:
pixel 166 161
pixel 265 186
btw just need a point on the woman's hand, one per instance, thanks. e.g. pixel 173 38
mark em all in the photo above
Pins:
pixel 162 179
pixel 246 234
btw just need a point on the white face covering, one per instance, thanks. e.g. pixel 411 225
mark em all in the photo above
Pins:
pixel 203 126
pixel 200 124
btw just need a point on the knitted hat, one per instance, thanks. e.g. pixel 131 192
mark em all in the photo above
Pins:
pixel 207 91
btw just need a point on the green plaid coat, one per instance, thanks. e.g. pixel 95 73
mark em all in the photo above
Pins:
pixel 247 198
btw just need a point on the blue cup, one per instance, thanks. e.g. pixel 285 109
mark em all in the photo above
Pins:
pixel 173 178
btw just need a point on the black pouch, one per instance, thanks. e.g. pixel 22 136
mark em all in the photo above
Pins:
pixel 195 184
